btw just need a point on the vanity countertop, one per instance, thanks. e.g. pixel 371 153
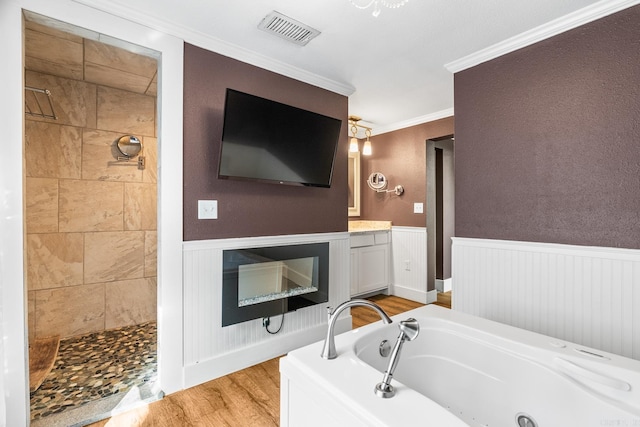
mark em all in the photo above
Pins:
pixel 368 226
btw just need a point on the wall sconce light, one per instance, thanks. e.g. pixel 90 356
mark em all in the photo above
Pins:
pixel 353 145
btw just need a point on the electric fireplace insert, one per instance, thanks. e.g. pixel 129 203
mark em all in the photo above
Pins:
pixel 268 281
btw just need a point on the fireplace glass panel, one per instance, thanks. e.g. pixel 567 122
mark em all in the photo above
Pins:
pixel 267 281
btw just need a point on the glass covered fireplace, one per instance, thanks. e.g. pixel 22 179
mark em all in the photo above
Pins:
pixel 267 281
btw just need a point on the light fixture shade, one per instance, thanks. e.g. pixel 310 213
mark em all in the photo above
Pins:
pixel 366 150
pixel 391 4
pixel 353 145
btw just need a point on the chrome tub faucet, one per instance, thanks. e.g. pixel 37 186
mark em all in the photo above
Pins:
pixel 329 348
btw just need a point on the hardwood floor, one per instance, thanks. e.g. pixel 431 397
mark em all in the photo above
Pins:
pixel 250 397
pixel 391 305
pixel 444 299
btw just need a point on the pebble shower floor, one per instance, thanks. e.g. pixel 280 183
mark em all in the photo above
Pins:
pixel 95 366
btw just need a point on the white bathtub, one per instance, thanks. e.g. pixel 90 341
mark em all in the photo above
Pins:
pixel 461 370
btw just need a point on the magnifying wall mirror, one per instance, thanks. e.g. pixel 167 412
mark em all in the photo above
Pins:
pixel 377 181
pixel 129 146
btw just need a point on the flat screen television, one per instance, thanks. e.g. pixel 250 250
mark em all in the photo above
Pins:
pixel 267 141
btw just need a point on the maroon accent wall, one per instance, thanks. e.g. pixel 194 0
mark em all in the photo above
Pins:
pixel 401 156
pixel 252 208
pixel 548 139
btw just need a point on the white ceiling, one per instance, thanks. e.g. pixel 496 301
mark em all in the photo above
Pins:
pixel 396 68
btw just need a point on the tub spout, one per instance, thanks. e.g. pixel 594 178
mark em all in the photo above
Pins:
pixel 329 348
pixel 409 330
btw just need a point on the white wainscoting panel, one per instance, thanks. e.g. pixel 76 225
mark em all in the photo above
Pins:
pixel 586 295
pixel 409 264
pixel 211 350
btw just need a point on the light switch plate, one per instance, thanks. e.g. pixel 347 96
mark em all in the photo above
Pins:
pixel 418 208
pixel 207 209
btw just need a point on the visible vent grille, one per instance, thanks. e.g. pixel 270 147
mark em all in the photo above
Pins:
pixel 289 29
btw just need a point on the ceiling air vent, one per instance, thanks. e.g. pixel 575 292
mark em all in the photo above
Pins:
pixel 289 29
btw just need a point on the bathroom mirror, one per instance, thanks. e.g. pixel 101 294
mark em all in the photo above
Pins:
pixel 129 146
pixel 377 181
pixel 354 184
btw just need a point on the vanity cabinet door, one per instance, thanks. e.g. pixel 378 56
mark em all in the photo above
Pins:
pixel 373 268
pixel 369 262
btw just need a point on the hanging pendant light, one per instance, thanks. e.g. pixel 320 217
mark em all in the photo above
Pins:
pixel 353 145
pixel 366 150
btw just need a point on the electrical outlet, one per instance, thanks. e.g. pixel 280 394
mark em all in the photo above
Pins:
pixel 418 208
pixel 265 322
pixel 407 265
pixel 207 209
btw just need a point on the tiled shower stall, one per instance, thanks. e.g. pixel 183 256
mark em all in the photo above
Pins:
pixel 90 217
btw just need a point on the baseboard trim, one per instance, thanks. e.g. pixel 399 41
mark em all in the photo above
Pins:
pixel 432 296
pixel 443 285
pixel 233 361
pixel 424 297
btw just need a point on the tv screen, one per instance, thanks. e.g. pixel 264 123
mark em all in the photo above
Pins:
pixel 268 141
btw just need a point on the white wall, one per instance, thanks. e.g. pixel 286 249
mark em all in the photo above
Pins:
pixel 585 295
pixel 409 245
pixel 12 311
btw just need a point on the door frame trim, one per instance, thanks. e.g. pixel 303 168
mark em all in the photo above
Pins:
pixel 14 395
pixel 432 144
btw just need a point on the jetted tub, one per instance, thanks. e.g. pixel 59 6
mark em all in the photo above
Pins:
pixel 461 370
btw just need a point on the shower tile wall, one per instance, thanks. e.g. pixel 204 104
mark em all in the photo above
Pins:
pixel 91 221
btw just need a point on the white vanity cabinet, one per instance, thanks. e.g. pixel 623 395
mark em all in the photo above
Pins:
pixel 369 262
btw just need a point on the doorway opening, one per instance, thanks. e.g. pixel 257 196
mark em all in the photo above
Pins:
pixel 91 223
pixel 440 212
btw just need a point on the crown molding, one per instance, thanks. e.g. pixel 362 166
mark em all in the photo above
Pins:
pixel 214 44
pixel 557 26
pixel 412 122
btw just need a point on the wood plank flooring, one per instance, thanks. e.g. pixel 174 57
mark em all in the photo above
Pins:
pixel 444 299
pixel 250 397
pixel 391 305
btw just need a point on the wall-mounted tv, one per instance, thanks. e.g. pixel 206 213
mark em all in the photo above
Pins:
pixel 267 141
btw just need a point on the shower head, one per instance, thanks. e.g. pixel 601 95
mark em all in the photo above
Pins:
pixel 410 328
